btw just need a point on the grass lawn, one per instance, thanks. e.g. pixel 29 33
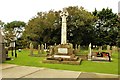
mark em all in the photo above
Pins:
pixel 86 66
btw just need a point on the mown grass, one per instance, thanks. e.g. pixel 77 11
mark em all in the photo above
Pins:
pixel 86 66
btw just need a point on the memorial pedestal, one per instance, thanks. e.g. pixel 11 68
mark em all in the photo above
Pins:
pixel 63 53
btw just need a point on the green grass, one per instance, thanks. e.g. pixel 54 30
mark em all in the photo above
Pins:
pixel 86 66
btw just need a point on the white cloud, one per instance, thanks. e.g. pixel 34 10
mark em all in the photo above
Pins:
pixel 11 10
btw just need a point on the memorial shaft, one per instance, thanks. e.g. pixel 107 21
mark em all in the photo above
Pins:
pixel 64 15
pixel 63 33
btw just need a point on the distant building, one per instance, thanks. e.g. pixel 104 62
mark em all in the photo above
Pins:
pixel 119 8
pixel 2 49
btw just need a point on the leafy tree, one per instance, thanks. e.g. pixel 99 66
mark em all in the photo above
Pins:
pixel 46 27
pixel 42 28
pixel 1 23
pixel 13 30
pixel 80 23
pixel 106 27
pixel 118 37
pixel 83 27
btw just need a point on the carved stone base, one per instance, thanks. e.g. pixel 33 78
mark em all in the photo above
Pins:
pixel 78 62
pixel 63 54
pixel 62 58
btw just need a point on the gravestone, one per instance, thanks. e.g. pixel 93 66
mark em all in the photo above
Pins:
pixel 116 48
pixel 63 53
pixel 78 47
pixel 108 48
pixel 39 49
pixel 51 50
pixel 113 49
pixel 90 52
pixel 100 49
pixel 45 46
pixel 55 44
pixel 2 49
pixel 31 49
pixel 71 45
pixel 42 48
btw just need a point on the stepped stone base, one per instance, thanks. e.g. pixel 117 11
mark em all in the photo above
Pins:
pixel 78 62
pixel 63 54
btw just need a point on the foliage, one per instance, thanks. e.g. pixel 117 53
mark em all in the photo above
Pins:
pixel 41 28
pixel 1 24
pixel 118 37
pixel 46 27
pixel 13 31
pixel 83 27
pixel 106 27
pixel 80 23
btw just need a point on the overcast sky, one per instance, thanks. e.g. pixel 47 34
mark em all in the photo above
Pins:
pixel 23 10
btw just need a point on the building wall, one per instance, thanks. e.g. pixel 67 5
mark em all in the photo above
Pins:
pixel 2 49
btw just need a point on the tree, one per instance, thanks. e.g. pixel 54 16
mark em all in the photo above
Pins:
pixel 118 37
pixel 1 23
pixel 80 23
pixel 42 28
pixel 13 30
pixel 46 27
pixel 106 27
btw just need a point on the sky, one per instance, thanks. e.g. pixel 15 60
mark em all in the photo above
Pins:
pixel 24 10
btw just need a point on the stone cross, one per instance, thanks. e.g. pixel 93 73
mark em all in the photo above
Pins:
pixel 64 15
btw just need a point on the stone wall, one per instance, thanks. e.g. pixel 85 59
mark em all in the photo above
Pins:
pixel 2 49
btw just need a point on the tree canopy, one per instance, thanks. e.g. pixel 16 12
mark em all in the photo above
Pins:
pixel 106 27
pixel 46 27
pixel 83 27
pixel 13 30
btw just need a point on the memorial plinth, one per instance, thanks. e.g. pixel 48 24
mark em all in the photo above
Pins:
pixel 63 53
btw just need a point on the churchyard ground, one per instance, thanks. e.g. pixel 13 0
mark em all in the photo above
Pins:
pixel 86 66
